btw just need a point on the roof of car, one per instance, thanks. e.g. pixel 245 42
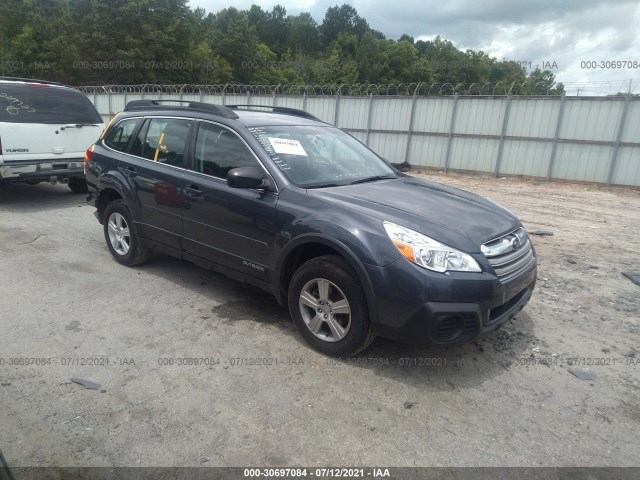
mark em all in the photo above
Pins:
pixel 247 115
pixel 255 118
pixel 34 83
pixel 29 81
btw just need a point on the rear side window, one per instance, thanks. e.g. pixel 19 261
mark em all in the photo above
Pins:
pixel 163 140
pixel 42 104
pixel 120 135
pixel 219 150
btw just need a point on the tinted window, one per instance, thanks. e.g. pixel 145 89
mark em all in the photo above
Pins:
pixel 121 134
pixel 26 104
pixel 164 141
pixel 218 150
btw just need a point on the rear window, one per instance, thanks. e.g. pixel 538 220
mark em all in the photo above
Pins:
pixel 27 104
pixel 120 135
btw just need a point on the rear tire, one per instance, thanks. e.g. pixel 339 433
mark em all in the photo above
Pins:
pixel 78 185
pixel 329 308
pixel 121 236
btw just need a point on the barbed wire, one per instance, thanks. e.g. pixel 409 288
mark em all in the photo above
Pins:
pixel 364 89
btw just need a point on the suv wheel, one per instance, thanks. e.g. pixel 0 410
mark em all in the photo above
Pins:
pixel 121 236
pixel 78 185
pixel 329 308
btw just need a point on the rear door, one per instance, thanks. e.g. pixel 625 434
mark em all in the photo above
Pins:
pixel 230 226
pixel 155 167
pixel 46 122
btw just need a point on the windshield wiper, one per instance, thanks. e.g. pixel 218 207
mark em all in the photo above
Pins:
pixel 373 179
pixel 324 185
pixel 80 125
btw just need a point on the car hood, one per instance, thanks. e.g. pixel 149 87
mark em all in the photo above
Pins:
pixel 452 216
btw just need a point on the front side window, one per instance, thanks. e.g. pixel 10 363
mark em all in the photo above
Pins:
pixel 120 135
pixel 219 150
pixel 163 140
pixel 318 156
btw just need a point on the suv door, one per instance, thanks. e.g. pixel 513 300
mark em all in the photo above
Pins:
pixel 233 227
pixel 156 174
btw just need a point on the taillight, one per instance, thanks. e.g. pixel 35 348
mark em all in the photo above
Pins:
pixel 88 156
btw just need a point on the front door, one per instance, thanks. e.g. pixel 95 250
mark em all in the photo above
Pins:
pixel 230 226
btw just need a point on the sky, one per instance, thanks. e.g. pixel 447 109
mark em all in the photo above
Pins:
pixel 556 34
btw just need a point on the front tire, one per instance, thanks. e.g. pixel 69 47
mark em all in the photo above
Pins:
pixel 329 308
pixel 121 236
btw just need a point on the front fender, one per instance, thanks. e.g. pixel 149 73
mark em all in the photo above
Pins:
pixel 339 246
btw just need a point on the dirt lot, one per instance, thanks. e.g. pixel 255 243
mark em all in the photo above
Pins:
pixel 508 400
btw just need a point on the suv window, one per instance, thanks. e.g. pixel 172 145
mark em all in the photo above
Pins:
pixel 21 103
pixel 120 135
pixel 219 150
pixel 163 140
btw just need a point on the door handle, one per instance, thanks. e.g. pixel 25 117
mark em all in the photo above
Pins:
pixel 192 192
pixel 130 172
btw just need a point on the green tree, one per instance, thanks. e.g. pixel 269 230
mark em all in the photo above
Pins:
pixel 344 19
pixel 334 69
pixel 278 29
pixel 406 38
pixel 542 82
pixel 271 71
pixel 166 41
pixel 446 61
pixel 304 35
pixel 405 66
pixel 24 53
pixel 373 58
pixel 234 38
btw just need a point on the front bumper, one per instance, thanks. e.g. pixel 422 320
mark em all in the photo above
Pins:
pixel 41 170
pixel 420 307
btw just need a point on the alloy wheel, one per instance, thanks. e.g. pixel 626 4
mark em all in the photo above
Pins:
pixel 325 310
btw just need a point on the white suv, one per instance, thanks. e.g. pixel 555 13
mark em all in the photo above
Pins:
pixel 45 129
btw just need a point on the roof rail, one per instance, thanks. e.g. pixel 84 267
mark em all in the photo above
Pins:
pixel 30 80
pixel 285 110
pixel 219 110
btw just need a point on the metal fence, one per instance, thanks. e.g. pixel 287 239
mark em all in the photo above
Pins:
pixel 590 139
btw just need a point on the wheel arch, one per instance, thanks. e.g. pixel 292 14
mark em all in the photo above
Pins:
pixel 105 197
pixel 111 187
pixel 307 247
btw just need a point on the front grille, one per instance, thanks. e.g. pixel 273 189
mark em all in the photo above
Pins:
pixel 496 312
pixel 510 254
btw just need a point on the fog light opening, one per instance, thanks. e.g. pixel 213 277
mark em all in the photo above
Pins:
pixel 449 328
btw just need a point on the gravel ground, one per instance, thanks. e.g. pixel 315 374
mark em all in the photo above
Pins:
pixel 507 400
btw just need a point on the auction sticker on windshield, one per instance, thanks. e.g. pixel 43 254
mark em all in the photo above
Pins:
pixel 284 145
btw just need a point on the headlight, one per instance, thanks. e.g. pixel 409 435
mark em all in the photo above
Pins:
pixel 428 253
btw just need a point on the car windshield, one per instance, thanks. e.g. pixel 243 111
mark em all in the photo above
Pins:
pixel 318 156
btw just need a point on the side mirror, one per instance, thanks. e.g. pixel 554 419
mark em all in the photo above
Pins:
pixel 246 177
